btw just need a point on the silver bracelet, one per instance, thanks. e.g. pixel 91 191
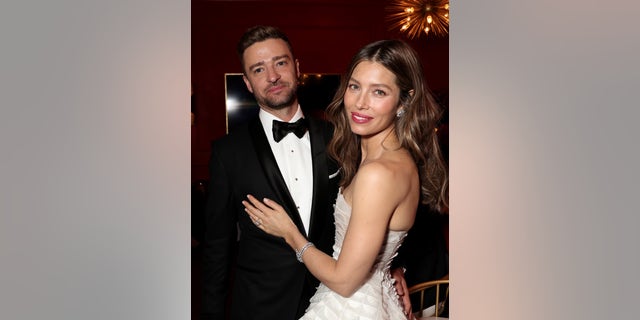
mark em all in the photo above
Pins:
pixel 300 252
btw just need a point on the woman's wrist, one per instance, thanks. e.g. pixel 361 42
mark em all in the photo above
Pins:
pixel 304 248
pixel 296 240
pixel 290 238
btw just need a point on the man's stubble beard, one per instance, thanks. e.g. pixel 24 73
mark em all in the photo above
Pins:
pixel 284 103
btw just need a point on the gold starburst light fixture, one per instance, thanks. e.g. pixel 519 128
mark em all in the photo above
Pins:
pixel 417 16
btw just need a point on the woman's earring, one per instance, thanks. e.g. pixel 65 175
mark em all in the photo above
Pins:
pixel 400 112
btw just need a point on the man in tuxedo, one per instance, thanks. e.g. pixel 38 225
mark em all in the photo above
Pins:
pixel 264 159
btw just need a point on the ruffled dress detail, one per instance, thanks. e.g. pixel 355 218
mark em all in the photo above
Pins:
pixel 377 299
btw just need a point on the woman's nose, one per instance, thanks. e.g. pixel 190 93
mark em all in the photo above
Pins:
pixel 361 102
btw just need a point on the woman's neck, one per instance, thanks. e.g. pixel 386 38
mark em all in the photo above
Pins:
pixel 373 147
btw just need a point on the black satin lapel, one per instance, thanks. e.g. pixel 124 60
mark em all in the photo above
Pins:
pixel 320 179
pixel 272 172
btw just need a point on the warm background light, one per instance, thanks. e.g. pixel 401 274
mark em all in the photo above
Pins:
pixel 420 17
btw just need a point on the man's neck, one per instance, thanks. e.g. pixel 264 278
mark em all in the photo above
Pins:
pixel 284 114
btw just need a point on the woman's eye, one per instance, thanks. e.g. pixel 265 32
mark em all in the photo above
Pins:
pixel 379 92
pixel 353 87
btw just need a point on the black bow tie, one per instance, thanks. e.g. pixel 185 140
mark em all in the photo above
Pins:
pixel 281 129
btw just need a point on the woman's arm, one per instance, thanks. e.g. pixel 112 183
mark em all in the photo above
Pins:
pixel 376 193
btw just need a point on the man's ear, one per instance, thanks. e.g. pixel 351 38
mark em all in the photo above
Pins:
pixel 247 83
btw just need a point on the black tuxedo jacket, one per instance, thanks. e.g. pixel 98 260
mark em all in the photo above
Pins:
pixel 268 282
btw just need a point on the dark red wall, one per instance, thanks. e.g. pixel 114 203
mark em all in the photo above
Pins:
pixel 324 34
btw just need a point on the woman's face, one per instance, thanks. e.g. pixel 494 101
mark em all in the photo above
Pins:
pixel 371 99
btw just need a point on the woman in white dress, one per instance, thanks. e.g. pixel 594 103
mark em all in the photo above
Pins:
pixel 386 143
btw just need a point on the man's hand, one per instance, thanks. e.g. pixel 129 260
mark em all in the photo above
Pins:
pixel 402 290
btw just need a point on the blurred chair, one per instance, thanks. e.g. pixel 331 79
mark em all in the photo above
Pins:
pixel 434 308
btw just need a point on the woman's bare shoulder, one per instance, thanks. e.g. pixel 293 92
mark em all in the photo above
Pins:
pixel 396 164
pixel 394 172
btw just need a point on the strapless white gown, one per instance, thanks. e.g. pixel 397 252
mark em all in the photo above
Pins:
pixel 377 298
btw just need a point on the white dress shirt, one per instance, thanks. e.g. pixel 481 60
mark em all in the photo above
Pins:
pixel 293 156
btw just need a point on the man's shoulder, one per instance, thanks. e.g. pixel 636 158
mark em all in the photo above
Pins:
pixel 321 125
pixel 237 136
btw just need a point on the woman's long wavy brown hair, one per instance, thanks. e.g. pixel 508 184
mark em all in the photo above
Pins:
pixel 416 128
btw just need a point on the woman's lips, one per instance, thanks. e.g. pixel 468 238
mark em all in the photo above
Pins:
pixel 360 118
